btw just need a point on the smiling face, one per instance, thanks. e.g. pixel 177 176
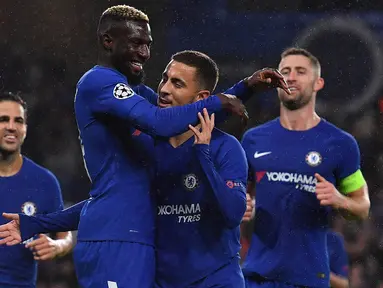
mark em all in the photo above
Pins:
pixel 302 79
pixel 126 43
pixel 13 128
pixel 179 86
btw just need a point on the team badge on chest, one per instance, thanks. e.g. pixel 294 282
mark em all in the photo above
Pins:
pixel 29 208
pixel 313 158
pixel 190 182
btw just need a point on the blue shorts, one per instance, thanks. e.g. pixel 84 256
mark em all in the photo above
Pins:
pixel 228 276
pixel 114 264
pixel 252 282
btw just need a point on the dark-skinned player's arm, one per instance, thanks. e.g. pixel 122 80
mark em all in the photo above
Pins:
pixel 226 172
pixel 22 227
pixel 260 81
pixel 351 194
pixel 119 100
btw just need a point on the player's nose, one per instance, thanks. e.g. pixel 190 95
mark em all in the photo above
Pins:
pixel 144 52
pixel 291 77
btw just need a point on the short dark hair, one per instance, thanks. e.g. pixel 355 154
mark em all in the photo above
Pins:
pixel 303 52
pixel 207 69
pixel 14 97
pixel 115 14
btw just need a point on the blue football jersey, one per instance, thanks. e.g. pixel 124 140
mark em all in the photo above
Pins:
pixel 110 117
pixel 200 203
pixel 33 190
pixel 290 230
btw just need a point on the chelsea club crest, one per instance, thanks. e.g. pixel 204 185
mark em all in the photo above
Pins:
pixel 29 208
pixel 313 158
pixel 190 182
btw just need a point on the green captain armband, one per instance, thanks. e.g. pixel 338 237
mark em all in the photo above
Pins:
pixel 352 183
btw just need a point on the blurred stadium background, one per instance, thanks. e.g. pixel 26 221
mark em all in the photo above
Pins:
pixel 45 46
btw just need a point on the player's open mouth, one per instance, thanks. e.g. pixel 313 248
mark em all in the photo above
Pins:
pixel 136 66
pixel 10 138
pixel 163 103
pixel 293 88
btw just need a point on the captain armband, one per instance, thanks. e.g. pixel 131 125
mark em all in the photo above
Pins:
pixel 352 182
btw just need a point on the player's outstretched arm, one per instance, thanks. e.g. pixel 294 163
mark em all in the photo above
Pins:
pixel 228 178
pixel 28 226
pixel 260 81
pixel 119 100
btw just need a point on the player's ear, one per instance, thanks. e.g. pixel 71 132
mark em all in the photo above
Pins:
pixel 107 41
pixel 319 84
pixel 203 94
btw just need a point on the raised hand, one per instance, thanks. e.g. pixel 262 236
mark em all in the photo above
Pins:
pixel 265 79
pixel 203 135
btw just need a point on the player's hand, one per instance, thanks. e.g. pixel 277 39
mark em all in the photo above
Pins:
pixel 234 105
pixel 249 213
pixel 327 194
pixel 10 232
pixel 44 248
pixel 265 79
pixel 203 135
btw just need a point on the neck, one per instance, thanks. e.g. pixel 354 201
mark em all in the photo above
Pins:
pixel 182 138
pixel 10 164
pixel 301 119
pixel 104 61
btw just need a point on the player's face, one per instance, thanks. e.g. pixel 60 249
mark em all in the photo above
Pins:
pixel 13 128
pixel 131 49
pixel 179 86
pixel 302 80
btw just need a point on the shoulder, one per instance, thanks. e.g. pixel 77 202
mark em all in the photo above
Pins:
pixel 222 138
pixel 99 77
pixel 263 129
pixel 223 143
pixel 341 137
pixel 39 172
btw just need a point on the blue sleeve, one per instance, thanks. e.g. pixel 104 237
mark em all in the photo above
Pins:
pixel 60 221
pixel 250 176
pixel 349 156
pixel 119 100
pixel 147 93
pixel 240 90
pixel 227 179
pixel 53 194
pixel 338 255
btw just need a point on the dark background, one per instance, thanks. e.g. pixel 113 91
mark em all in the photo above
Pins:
pixel 45 46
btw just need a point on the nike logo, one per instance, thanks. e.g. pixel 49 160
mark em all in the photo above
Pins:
pixel 257 155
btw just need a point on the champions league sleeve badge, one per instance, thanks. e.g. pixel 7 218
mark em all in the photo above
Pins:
pixel 122 91
pixel 29 208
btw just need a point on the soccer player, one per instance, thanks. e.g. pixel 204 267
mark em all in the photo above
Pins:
pixel 26 188
pixel 118 219
pixel 338 260
pixel 69 218
pixel 302 167
pixel 200 183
